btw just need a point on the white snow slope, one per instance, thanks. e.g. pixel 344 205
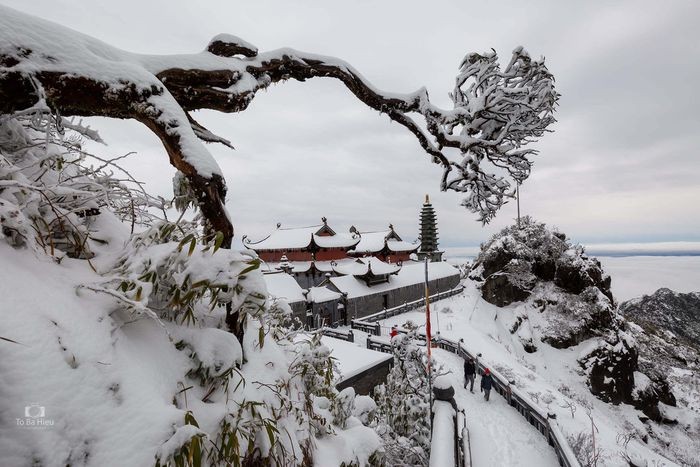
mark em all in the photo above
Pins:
pixel 85 385
pixel 553 380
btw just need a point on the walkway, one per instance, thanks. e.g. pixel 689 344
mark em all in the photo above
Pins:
pixel 499 435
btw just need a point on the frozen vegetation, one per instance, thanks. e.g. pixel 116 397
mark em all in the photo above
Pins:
pixel 129 338
pixel 116 345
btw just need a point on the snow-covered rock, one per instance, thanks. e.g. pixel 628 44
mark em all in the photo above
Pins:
pixel 557 295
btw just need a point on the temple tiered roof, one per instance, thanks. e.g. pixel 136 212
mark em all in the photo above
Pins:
pixel 297 238
pixel 364 266
pixel 385 241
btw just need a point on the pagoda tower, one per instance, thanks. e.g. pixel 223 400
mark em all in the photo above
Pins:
pixel 428 233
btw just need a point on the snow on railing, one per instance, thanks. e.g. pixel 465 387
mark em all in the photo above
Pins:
pixel 370 328
pixel 464 449
pixel 379 345
pixel 338 334
pixel 409 306
pixel 443 447
pixel 370 323
pixel 544 422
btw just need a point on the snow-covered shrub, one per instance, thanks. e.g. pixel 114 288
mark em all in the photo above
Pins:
pixel 343 407
pixel 585 449
pixel 51 190
pixel 184 447
pixel 160 299
pixel 404 405
pixel 167 273
pixel 365 409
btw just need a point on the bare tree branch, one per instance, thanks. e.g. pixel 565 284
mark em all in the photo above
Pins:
pixel 495 112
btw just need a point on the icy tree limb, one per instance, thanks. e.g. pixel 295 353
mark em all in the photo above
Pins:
pixel 495 112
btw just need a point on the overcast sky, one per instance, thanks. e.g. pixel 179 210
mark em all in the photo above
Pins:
pixel 622 164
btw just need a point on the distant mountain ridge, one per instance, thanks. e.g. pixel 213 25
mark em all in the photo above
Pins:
pixel 666 309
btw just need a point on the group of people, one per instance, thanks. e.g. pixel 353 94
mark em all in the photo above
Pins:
pixel 470 368
pixel 469 372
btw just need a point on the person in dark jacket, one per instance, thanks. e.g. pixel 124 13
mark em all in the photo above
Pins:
pixel 469 374
pixel 486 383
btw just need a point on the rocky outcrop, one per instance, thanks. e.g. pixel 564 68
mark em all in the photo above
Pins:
pixel 611 364
pixel 568 302
pixel 666 326
pixel 513 261
pixel 500 291
pixel 572 319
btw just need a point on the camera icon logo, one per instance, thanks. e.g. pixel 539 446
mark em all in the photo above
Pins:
pixel 34 411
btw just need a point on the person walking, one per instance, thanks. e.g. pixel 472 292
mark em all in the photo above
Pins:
pixel 486 383
pixel 469 374
pixel 394 332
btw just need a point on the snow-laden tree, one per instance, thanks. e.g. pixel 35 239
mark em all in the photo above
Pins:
pixel 267 399
pixel 403 405
pixel 480 142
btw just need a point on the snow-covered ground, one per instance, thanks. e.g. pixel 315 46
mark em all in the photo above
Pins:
pixel 552 379
pixel 497 433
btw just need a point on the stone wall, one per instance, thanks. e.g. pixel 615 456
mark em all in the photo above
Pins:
pixel 364 382
pixel 360 307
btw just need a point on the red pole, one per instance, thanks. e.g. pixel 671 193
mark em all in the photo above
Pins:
pixel 428 340
pixel 427 313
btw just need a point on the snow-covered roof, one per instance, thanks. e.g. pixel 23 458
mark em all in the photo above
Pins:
pixel 399 246
pixel 322 294
pixel 373 242
pixel 282 239
pixel 363 266
pixel 353 358
pixel 281 285
pixel 303 266
pixel 339 240
pixel 411 273
pixel 302 237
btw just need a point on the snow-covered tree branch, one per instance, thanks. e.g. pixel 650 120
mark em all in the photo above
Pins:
pixel 480 142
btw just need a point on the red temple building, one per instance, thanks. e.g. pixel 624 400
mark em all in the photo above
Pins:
pixel 330 278
pixel 313 243
pixel 384 244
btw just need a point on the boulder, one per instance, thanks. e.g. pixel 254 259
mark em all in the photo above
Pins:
pixel 500 291
pixel 611 366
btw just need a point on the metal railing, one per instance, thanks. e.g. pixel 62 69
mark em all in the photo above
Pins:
pixel 378 345
pixel 370 328
pixel 409 306
pixel 370 324
pixel 337 334
pixel 464 449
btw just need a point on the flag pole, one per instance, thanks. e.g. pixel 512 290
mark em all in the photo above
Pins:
pixel 428 339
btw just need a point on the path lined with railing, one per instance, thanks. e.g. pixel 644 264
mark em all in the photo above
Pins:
pixel 536 416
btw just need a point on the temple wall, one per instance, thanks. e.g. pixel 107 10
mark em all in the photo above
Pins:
pixel 359 307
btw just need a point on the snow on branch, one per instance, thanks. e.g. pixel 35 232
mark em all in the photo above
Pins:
pixel 480 142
